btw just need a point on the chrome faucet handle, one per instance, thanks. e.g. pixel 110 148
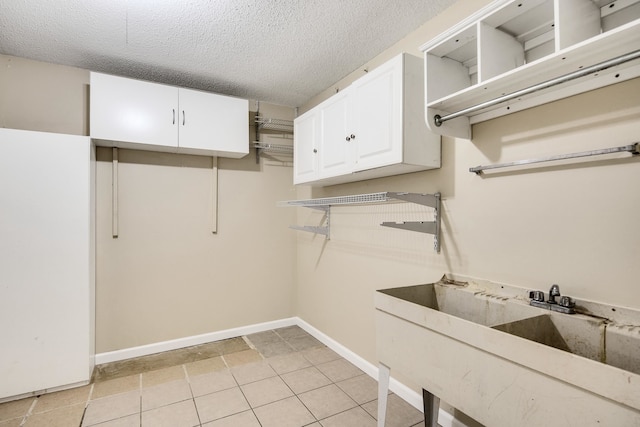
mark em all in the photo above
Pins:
pixel 566 301
pixel 536 296
pixel 553 293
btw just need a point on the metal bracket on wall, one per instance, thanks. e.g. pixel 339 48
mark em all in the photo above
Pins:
pixel 430 200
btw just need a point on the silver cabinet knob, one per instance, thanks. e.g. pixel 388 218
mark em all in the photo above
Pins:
pixel 315 150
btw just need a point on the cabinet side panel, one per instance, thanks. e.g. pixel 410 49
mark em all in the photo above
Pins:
pixel 421 146
pixel 44 270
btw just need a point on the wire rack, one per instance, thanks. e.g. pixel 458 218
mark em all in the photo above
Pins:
pixel 274 148
pixel 280 125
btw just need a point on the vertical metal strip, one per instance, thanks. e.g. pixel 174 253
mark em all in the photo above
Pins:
pixel 114 194
pixel 214 194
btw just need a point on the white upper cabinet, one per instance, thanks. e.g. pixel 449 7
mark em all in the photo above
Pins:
pixel 371 129
pixel 504 58
pixel 148 116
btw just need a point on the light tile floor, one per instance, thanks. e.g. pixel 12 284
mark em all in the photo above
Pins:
pixel 278 378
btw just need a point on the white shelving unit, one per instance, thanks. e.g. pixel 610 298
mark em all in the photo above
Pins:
pixel 325 204
pixel 514 55
pixel 272 125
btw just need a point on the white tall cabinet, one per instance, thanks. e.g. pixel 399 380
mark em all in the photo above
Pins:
pixel 47 266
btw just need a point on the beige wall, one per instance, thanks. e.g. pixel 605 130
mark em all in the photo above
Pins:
pixel 43 97
pixel 167 276
pixel 570 224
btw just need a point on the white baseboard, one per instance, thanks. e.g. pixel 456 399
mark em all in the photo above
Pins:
pixel 445 419
pixel 159 347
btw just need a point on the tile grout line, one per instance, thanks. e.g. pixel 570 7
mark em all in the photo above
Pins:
pixel 29 411
pixel 86 405
pixel 193 398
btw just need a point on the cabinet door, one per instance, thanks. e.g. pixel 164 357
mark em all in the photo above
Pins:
pixel 212 124
pixel 377 122
pixel 336 145
pixel 132 111
pixel 306 132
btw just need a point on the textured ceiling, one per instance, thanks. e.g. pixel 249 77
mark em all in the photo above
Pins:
pixel 278 51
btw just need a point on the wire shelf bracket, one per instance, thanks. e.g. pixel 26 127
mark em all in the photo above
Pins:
pixel 325 204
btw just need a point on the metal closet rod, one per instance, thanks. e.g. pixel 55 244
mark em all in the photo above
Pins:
pixel 438 120
pixel 633 148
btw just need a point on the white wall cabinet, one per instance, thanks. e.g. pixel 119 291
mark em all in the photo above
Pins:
pixel 149 116
pixel 511 46
pixel 47 261
pixel 371 129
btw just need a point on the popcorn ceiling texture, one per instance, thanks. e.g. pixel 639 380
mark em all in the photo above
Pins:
pixel 278 51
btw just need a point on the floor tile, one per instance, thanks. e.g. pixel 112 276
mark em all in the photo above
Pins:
pixel 289 412
pixel 15 409
pixel 112 407
pixel 399 412
pixel 262 338
pixel 165 394
pixel 50 401
pixel 205 366
pixel 14 422
pixel 274 349
pixel 61 417
pixel 166 359
pixel 181 414
pixel 356 417
pixel 305 379
pixel 115 386
pixel 326 401
pixel 252 372
pixel 339 370
pixel 128 421
pixel 289 332
pixel 320 355
pixel 221 404
pixel 304 343
pixel 288 363
pixel 242 358
pixel 260 393
pixel 243 419
pixel 212 382
pixel 362 388
pixel 159 376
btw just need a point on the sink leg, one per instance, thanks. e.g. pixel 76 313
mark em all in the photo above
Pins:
pixel 431 405
pixel 383 391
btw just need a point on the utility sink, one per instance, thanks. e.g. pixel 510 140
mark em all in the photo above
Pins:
pixel 482 348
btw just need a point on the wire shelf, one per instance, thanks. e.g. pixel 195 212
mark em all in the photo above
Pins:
pixel 274 148
pixel 281 125
pixel 325 203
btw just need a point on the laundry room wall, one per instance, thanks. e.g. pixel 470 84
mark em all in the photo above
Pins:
pixel 569 223
pixel 167 276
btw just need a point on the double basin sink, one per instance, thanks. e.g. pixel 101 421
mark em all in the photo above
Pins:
pixel 482 348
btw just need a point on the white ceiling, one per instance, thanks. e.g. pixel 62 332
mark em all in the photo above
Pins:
pixel 278 51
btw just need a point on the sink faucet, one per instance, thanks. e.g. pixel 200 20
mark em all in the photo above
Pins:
pixel 565 305
pixel 553 293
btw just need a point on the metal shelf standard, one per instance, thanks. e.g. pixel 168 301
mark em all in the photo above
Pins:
pixel 324 204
